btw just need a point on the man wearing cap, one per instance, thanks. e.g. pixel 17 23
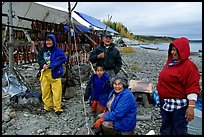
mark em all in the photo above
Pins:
pixel 50 59
pixel 107 55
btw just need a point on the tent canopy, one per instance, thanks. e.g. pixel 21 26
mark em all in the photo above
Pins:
pixel 95 22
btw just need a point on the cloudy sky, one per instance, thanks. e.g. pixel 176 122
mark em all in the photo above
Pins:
pixel 174 19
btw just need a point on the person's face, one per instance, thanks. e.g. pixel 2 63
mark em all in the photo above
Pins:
pixel 107 40
pixel 175 53
pixel 118 86
pixel 49 42
pixel 99 71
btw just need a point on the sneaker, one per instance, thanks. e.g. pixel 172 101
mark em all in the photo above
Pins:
pixel 58 112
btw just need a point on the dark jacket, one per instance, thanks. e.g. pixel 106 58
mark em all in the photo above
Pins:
pixel 57 58
pixel 98 90
pixel 123 111
pixel 112 60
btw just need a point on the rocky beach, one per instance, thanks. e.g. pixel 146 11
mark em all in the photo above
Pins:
pixel 27 118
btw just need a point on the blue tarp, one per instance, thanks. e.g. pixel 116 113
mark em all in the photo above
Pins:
pixel 95 22
pixel 155 97
pixel 83 29
pixel 198 104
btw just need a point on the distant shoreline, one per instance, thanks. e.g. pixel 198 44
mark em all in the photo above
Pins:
pixel 160 39
pixel 196 45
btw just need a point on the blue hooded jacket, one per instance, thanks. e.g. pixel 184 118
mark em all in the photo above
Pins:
pixel 57 58
pixel 98 89
pixel 123 111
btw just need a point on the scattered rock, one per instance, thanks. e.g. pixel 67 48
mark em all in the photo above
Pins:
pixel 5 118
pixel 13 115
pixel 28 119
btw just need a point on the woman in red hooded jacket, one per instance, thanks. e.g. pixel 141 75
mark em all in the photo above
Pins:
pixel 178 88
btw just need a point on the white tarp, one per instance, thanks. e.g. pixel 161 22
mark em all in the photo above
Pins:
pixel 32 10
pixel 14 87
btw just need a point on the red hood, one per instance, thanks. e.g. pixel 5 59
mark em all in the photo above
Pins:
pixel 182 44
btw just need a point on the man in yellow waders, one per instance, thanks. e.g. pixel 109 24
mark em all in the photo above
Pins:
pixel 50 59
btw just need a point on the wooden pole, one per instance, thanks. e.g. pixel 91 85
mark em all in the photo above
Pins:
pixel 10 39
pixel 69 52
pixel 69 25
pixel 86 36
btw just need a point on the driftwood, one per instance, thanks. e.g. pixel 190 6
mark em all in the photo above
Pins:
pixel 140 86
pixel 143 117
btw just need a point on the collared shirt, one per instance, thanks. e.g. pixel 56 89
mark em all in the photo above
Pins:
pixel 173 62
pixel 174 104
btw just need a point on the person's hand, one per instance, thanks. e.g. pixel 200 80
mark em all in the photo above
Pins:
pixel 101 114
pixel 45 66
pixel 98 122
pixel 101 55
pixel 189 113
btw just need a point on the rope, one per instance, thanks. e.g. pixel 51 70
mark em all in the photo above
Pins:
pixel 28 9
pixel 92 67
pixel 26 12
pixel 82 86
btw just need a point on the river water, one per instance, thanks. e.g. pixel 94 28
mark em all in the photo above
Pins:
pixel 194 46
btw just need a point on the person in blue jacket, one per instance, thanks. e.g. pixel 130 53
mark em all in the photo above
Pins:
pixel 50 60
pixel 120 117
pixel 97 90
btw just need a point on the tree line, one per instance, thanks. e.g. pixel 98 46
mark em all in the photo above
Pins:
pixel 124 32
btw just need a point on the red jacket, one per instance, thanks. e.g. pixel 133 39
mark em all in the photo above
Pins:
pixel 179 80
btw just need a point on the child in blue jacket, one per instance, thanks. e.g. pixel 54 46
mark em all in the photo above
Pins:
pixel 97 90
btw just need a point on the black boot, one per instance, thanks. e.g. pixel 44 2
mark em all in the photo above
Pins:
pixel 97 131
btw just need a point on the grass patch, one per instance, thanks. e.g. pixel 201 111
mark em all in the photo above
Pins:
pixel 127 50
pixel 135 67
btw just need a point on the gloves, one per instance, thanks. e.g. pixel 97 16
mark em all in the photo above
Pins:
pixel 98 122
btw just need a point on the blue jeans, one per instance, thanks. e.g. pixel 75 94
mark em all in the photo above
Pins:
pixel 173 123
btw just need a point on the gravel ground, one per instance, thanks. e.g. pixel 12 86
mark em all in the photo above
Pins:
pixel 26 118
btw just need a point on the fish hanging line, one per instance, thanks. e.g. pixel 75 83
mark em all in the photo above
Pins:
pixel 82 87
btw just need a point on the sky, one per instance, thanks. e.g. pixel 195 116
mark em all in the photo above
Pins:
pixel 173 19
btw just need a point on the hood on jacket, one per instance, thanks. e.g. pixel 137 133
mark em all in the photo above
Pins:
pixel 182 44
pixel 106 75
pixel 52 36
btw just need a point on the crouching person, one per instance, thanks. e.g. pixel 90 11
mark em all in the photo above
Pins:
pixel 120 115
pixel 50 59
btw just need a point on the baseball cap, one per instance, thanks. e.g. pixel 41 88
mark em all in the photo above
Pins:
pixel 107 35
